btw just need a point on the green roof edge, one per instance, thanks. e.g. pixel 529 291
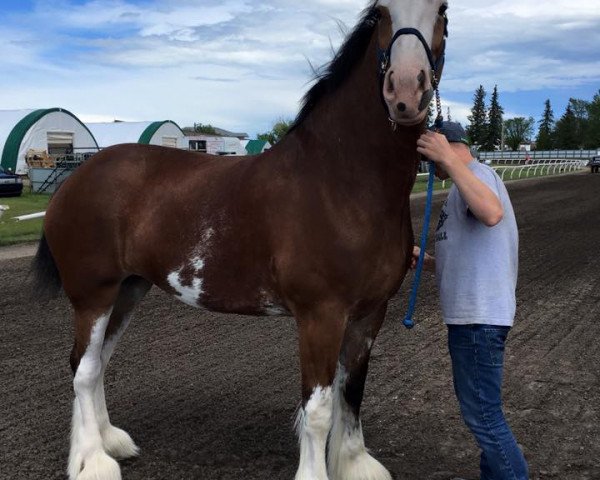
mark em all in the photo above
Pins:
pixel 151 129
pixel 10 152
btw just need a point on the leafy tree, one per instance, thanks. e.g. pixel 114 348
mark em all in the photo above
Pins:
pixel 477 130
pixel 580 110
pixel 565 134
pixel 517 131
pixel 494 129
pixel 592 132
pixel 544 139
pixel 280 128
pixel 206 129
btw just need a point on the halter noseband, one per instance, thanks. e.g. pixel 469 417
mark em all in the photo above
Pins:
pixel 434 64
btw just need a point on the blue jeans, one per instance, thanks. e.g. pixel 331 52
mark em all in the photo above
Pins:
pixel 477 353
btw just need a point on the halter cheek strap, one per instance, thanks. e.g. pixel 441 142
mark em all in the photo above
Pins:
pixel 435 64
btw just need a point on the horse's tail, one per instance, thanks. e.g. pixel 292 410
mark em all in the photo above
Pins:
pixel 46 282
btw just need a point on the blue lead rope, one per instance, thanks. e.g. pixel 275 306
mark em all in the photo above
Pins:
pixel 408 320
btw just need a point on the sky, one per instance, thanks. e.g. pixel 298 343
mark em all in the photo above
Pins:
pixel 243 64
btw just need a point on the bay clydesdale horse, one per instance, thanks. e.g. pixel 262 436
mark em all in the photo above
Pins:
pixel 318 227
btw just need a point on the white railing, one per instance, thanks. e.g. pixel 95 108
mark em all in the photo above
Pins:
pixel 520 157
pixel 537 169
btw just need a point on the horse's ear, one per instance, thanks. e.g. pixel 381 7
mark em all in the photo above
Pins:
pixel 384 29
pixel 445 25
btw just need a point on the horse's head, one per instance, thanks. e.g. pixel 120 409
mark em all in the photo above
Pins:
pixel 412 35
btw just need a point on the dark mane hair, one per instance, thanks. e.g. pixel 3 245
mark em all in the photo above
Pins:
pixel 331 76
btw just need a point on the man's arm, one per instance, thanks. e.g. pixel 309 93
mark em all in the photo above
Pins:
pixel 482 201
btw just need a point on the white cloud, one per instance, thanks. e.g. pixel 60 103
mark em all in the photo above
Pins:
pixel 242 63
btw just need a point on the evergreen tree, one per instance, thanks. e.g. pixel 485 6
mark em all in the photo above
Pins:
pixel 592 132
pixel 544 140
pixel 565 134
pixel 494 129
pixel 477 130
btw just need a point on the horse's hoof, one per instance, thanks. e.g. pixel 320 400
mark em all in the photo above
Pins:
pixel 361 467
pixel 118 444
pixel 100 467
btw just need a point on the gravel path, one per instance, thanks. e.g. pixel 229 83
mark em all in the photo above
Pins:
pixel 211 396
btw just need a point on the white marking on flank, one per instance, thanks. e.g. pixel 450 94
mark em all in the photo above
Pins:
pixel 197 263
pixel 187 294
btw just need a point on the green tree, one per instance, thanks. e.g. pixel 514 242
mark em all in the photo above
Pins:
pixel 477 130
pixel 544 139
pixel 592 132
pixel 206 129
pixel 280 128
pixel 517 131
pixel 580 110
pixel 565 134
pixel 494 129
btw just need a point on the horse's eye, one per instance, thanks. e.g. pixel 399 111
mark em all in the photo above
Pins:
pixel 443 9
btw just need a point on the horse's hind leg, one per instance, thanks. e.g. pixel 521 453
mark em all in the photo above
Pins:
pixel 320 335
pixel 98 323
pixel 348 458
pixel 117 442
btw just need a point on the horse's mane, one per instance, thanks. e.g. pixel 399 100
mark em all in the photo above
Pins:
pixel 332 75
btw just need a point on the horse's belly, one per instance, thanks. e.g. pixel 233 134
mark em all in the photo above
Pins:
pixel 194 285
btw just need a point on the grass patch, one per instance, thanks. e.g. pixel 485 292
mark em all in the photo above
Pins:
pixel 11 231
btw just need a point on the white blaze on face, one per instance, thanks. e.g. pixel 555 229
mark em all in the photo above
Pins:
pixel 408 78
pixel 418 14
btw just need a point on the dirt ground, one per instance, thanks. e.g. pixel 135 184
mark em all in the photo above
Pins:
pixel 209 396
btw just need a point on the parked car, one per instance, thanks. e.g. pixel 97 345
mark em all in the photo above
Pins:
pixel 594 164
pixel 11 185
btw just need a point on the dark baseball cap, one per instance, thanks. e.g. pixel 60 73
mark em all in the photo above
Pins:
pixel 453 131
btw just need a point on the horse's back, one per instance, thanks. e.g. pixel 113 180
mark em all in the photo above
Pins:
pixel 139 209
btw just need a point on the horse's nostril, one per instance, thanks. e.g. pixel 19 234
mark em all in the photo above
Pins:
pixel 401 106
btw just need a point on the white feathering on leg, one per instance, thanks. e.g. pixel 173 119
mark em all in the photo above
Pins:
pixel 348 458
pixel 313 424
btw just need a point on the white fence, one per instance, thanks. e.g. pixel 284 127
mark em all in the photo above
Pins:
pixel 516 158
pixel 532 169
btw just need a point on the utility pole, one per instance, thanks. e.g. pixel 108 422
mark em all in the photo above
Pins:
pixel 449 116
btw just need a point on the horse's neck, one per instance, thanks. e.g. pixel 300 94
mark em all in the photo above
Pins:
pixel 351 132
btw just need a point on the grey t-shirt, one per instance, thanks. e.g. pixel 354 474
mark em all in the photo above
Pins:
pixel 476 265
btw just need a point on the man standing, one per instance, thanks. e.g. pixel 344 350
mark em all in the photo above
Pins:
pixel 476 245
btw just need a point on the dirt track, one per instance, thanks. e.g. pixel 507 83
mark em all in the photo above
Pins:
pixel 208 396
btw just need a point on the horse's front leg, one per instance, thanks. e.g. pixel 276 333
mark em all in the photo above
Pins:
pixel 320 331
pixel 348 458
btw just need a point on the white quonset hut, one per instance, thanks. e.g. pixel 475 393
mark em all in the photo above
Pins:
pixel 55 131
pixel 166 133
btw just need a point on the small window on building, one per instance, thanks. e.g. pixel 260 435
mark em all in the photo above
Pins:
pixel 197 145
pixel 60 143
pixel 169 142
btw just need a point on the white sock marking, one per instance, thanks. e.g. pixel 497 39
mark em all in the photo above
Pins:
pixel 313 424
pixel 86 441
pixel 348 458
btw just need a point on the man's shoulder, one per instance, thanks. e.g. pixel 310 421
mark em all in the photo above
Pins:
pixel 484 171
